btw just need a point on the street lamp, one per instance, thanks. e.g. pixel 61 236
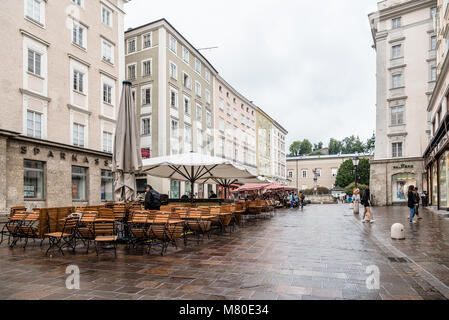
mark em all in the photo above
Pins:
pixel 315 180
pixel 355 162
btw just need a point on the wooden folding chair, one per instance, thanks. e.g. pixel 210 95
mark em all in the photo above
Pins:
pixel 29 229
pixel 105 236
pixel 138 228
pixel 65 238
pixel 85 231
pixel 12 227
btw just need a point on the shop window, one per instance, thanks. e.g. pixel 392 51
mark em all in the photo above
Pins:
pixel 175 189
pixel 33 180
pixel 107 185
pixel 79 183
pixel 400 184
pixel 442 180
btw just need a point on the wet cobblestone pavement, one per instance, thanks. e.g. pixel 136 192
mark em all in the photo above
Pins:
pixel 320 253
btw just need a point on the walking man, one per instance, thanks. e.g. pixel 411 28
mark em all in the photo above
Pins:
pixel 411 202
pixel 152 199
pixel 417 201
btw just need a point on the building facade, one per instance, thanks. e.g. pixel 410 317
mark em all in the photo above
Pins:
pixel 279 156
pixel 437 152
pixel 235 123
pixel 301 170
pixel 264 155
pixel 173 87
pixel 60 92
pixel 405 42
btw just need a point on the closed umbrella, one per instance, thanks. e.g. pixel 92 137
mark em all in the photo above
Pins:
pixel 127 160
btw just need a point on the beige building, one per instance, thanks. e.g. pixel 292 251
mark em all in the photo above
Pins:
pixel 61 75
pixel 301 170
pixel 405 41
pixel 279 156
pixel 173 86
pixel 235 123
pixel 437 152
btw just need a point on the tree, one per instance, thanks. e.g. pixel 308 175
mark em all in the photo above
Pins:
pixel 346 176
pixel 306 147
pixel 295 149
pixel 318 146
pixel 335 146
pixel 352 145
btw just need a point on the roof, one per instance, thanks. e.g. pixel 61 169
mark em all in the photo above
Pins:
pixel 332 156
pixel 164 21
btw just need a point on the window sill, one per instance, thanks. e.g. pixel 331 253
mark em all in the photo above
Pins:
pixel 76 45
pixel 397 88
pixel 80 200
pixel 79 92
pixel 109 104
pixel 35 75
pixel 109 63
pixel 38 23
pixel 34 200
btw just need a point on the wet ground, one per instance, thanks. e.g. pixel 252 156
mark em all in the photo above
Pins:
pixel 322 252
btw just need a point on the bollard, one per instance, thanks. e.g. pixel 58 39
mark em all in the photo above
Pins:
pixel 356 207
pixel 397 232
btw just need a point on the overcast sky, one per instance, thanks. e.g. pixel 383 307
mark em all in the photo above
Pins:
pixel 308 64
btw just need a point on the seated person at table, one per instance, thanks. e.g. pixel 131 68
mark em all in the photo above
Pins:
pixel 213 195
pixel 152 199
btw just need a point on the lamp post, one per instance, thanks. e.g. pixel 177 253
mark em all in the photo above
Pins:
pixel 355 162
pixel 315 180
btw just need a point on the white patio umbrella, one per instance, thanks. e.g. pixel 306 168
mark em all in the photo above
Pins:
pixel 197 168
pixel 126 160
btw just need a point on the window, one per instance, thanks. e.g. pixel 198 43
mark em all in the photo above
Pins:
pixel 79 183
pixel 174 136
pixel 187 81
pixel 146 96
pixel 107 142
pixel 397 150
pixel 132 72
pixel 131 46
pixel 34 62
pixel 304 173
pixel 228 109
pixel 147 40
pixel 173 99
pixel 146 68
pixel 78 34
pixel 396 51
pixel 106 16
pixel 236 114
pixel 318 173
pixel 107 93
pixel 199 140
pixel 397 23
pixel 146 127
pixel 221 104
pixel 107 185
pixel 185 55
pixel 197 65
pixel 397 115
pixel 433 42
pixel 433 11
pixel 146 153
pixel 290 174
pixel 173 44
pixel 397 81
pixel 78 81
pixel 33 10
pixel 208 96
pixel 77 2
pixel 198 89
pixel 208 119
pixel 187 108
pixel 188 137
pixel 33 180
pixel 78 135
pixel 433 73
pixel 334 172
pixel 221 125
pixel 199 113
pixel 107 51
pixel 34 124
pixel 173 71
pixel 207 75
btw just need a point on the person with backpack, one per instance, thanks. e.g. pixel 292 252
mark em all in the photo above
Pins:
pixel 302 197
pixel 152 199
pixel 366 201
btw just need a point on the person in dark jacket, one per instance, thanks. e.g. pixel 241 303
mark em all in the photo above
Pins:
pixel 212 195
pixel 411 202
pixel 366 201
pixel 417 202
pixel 152 199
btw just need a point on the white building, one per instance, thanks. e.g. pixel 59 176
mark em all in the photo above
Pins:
pixel 405 42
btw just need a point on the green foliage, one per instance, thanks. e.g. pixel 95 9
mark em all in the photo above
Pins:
pixel 346 174
pixel 335 146
pixel 300 148
pixel 318 146
pixel 349 189
pixel 350 145
pixel 295 149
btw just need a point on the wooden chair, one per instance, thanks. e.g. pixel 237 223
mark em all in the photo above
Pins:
pixel 105 236
pixel 65 238
pixel 138 227
pixel 198 226
pixel 29 229
pixel 164 234
pixel 11 228
pixel 85 230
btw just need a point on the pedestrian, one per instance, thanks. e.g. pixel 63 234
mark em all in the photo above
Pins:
pixel 302 197
pixel 366 201
pixel 152 199
pixel 296 199
pixel 418 199
pixel 411 202
pixel 290 198
pixel 212 195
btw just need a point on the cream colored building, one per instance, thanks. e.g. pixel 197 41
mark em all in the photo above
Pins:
pixel 437 152
pixel 279 157
pixel 264 154
pixel 405 41
pixel 235 123
pixel 300 170
pixel 61 79
pixel 173 85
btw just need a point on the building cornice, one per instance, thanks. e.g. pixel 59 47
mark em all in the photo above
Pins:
pixel 34 94
pixel 78 109
pixel 406 7
pixel 71 56
pixel 36 38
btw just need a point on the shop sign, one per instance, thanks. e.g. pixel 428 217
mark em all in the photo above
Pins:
pixel 404 166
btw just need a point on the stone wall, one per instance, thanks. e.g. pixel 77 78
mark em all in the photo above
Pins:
pixel 57 173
